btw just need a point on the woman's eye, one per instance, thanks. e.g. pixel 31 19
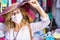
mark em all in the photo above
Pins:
pixel 13 14
pixel 17 12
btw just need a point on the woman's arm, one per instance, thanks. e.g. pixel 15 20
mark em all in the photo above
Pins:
pixel 42 12
pixel 36 5
pixel 44 18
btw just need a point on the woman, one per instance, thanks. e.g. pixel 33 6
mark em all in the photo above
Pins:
pixel 19 23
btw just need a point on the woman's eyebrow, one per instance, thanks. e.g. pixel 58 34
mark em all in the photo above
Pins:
pixel 12 11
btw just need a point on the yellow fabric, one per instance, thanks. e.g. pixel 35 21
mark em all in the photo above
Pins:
pixel 4 5
pixel 56 35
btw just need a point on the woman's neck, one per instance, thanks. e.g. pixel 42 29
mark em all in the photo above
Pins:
pixel 17 28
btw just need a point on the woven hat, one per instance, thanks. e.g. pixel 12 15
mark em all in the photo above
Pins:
pixel 30 13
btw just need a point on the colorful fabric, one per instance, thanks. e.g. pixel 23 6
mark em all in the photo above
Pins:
pixel 13 1
pixel 58 4
pixel 4 3
pixel 20 1
pixel 9 2
pixel 44 4
pixel 29 11
pixel 49 4
pixel 2 20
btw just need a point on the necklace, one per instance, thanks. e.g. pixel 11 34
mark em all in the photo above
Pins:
pixel 15 36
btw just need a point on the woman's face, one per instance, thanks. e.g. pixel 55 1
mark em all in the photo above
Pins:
pixel 16 11
pixel 16 16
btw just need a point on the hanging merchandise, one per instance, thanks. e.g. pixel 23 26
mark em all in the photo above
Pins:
pixel 57 13
pixel 44 4
pixel 49 5
pixel 40 2
pixel 0 6
pixel 57 35
pixel 19 1
pixel 57 17
pixel 45 31
pixel 58 4
pixel 13 1
pixel 0 0
pixel 54 8
pixel 49 36
pixel 3 4
pixel 9 2
pixel 50 15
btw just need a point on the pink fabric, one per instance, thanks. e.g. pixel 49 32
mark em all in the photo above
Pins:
pixel 4 12
pixel 49 3
pixel 2 38
pixel 13 1
pixel 2 20
pixel 29 11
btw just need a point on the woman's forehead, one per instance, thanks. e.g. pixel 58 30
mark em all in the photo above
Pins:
pixel 16 10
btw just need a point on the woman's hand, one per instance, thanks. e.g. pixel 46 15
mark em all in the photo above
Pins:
pixel 34 3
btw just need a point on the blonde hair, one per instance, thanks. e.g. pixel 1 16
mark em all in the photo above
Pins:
pixel 10 24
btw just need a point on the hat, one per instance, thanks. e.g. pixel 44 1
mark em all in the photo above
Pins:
pixel 10 8
pixel 30 13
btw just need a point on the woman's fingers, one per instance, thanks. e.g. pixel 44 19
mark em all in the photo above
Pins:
pixel 34 3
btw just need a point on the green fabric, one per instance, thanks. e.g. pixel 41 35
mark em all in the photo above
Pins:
pixel 50 15
pixel 4 2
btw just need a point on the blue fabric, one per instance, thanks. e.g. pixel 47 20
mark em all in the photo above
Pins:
pixel 4 2
pixel 49 38
pixel 57 17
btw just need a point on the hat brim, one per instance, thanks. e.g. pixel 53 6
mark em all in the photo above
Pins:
pixel 30 13
pixel 12 7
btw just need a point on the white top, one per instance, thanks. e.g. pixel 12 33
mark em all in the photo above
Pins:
pixel 24 33
pixel 2 27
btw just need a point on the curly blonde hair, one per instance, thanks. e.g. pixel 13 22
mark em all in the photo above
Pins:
pixel 10 24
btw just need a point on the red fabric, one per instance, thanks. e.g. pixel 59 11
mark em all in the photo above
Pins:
pixel 29 11
pixel 2 20
pixel 2 38
pixel 49 3
pixel 13 1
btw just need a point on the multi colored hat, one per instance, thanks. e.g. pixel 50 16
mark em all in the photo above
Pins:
pixel 30 13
